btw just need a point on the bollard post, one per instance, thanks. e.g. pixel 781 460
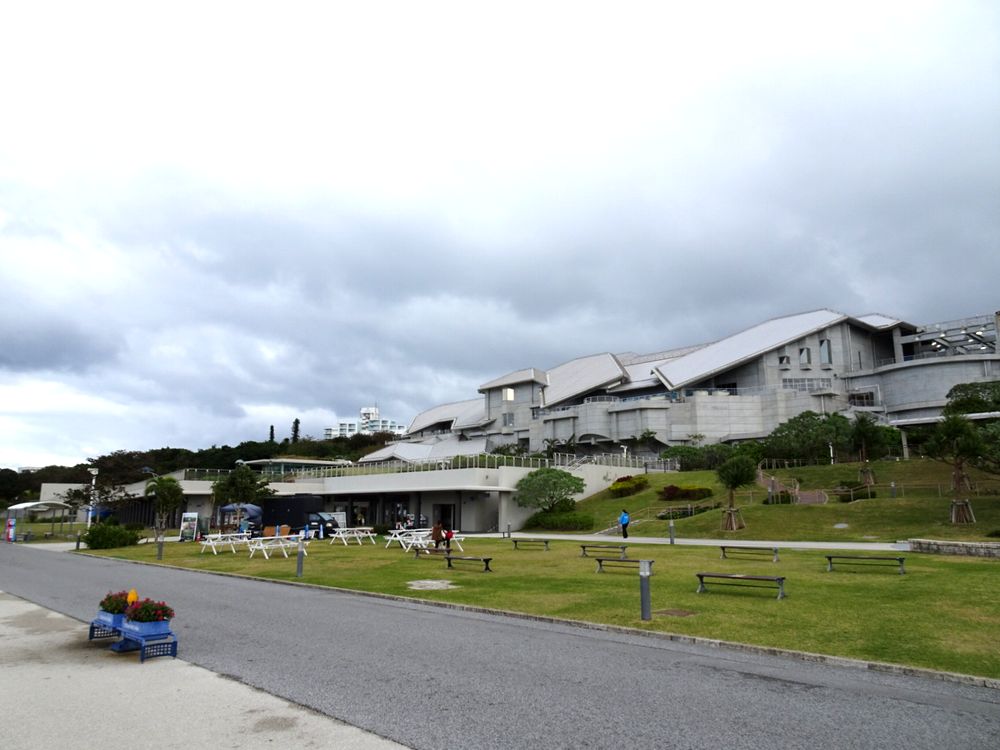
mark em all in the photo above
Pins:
pixel 892 489
pixel 159 547
pixel 78 541
pixel 671 528
pixel 301 557
pixel 644 572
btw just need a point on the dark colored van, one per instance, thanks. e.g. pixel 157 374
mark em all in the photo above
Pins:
pixel 298 512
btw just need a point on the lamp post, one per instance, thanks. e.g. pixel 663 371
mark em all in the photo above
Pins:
pixel 93 492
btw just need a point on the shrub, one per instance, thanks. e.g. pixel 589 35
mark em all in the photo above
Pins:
pixel 135 526
pixel 853 491
pixel 114 602
pixel 109 536
pixel 380 529
pixel 560 521
pixel 625 486
pixel 147 610
pixel 995 533
pixel 673 492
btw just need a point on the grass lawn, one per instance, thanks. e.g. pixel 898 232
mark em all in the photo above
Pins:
pixel 943 614
pixel 920 509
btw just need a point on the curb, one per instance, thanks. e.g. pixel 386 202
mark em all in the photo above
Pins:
pixel 807 656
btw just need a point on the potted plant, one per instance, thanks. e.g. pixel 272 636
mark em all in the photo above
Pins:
pixel 112 609
pixel 147 617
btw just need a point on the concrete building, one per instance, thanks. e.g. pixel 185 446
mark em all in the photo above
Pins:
pixel 737 388
pixel 369 422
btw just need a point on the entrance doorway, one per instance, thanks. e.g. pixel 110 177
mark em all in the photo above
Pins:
pixel 444 513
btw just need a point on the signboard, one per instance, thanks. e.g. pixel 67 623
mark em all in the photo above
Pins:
pixel 189 527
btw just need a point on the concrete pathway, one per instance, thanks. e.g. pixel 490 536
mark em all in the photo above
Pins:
pixel 60 690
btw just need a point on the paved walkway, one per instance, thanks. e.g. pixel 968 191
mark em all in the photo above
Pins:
pixel 49 669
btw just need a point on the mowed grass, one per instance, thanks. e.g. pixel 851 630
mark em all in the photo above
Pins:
pixel 943 614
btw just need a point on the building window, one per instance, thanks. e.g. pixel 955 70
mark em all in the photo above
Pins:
pixel 825 353
pixel 805 356
pixel 861 398
pixel 507 394
pixel 508 419
pixel 784 360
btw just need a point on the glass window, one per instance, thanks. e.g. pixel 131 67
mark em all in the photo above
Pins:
pixel 805 356
pixel 508 419
pixel 825 354
pixel 507 394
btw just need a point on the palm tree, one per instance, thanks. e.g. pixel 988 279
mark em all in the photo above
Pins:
pixel 733 474
pixel 167 495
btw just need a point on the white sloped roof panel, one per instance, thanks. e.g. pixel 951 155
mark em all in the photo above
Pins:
pixel 529 375
pixel 445 413
pixel 877 320
pixel 732 350
pixel 580 376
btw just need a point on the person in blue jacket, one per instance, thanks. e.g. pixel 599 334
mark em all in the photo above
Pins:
pixel 624 520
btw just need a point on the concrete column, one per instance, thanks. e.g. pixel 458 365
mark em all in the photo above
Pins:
pixel 897 345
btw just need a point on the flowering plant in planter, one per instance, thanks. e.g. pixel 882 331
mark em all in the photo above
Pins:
pixel 147 610
pixel 114 603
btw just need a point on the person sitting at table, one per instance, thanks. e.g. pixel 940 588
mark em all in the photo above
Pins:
pixel 437 534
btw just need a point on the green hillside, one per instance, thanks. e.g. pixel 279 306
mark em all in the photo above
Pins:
pixel 920 508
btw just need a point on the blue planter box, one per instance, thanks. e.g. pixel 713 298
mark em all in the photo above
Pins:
pixel 110 620
pixel 146 629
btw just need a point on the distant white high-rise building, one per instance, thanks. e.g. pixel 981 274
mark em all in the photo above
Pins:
pixel 369 422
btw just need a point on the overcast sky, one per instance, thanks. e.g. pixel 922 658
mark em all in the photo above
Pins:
pixel 215 217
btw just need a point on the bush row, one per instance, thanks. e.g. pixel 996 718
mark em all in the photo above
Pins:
pixel 109 536
pixel 625 486
pixel 673 492
pixel 560 521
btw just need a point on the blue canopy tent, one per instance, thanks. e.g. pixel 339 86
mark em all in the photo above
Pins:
pixel 248 511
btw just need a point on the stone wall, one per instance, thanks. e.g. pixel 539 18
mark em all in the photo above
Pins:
pixel 973 549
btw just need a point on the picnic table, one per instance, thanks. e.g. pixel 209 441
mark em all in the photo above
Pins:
pixel 266 544
pixel 214 541
pixel 358 533
pixel 402 535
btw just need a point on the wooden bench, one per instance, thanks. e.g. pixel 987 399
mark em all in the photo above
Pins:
pixel 620 562
pixel 740 579
pixel 862 560
pixel 531 543
pixel 620 547
pixel 744 550
pixel 484 560
pixel 419 552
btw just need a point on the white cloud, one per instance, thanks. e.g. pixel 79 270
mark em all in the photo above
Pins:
pixel 215 217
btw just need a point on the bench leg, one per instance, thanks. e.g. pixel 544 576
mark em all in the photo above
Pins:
pixel 781 589
pixel 486 566
pixel 829 565
pixel 902 570
pixel 701 586
pixel 600 567
pixel 775 556
pixel 723 555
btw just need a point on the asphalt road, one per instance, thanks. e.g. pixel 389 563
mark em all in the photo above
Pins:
pixel 430 677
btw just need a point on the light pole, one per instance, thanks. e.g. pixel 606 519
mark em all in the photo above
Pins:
pixel 93 492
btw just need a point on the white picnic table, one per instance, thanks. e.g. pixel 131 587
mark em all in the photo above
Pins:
pixel 419 538
pixel 214 541
pixel 401 535
pixel 265 544
pixel 358 533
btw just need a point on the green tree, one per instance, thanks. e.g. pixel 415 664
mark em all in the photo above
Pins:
pixel 242 485
pixel 737 472
pixel 295 430
pixel 168 495
pixel 973 398
pixel 547 489
pixel 809 436
pixel 956 440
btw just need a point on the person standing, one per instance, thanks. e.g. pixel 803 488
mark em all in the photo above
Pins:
pixel 624 520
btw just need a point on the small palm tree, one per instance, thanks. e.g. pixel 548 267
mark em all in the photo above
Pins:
pixel 737 472
pixel 167 495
